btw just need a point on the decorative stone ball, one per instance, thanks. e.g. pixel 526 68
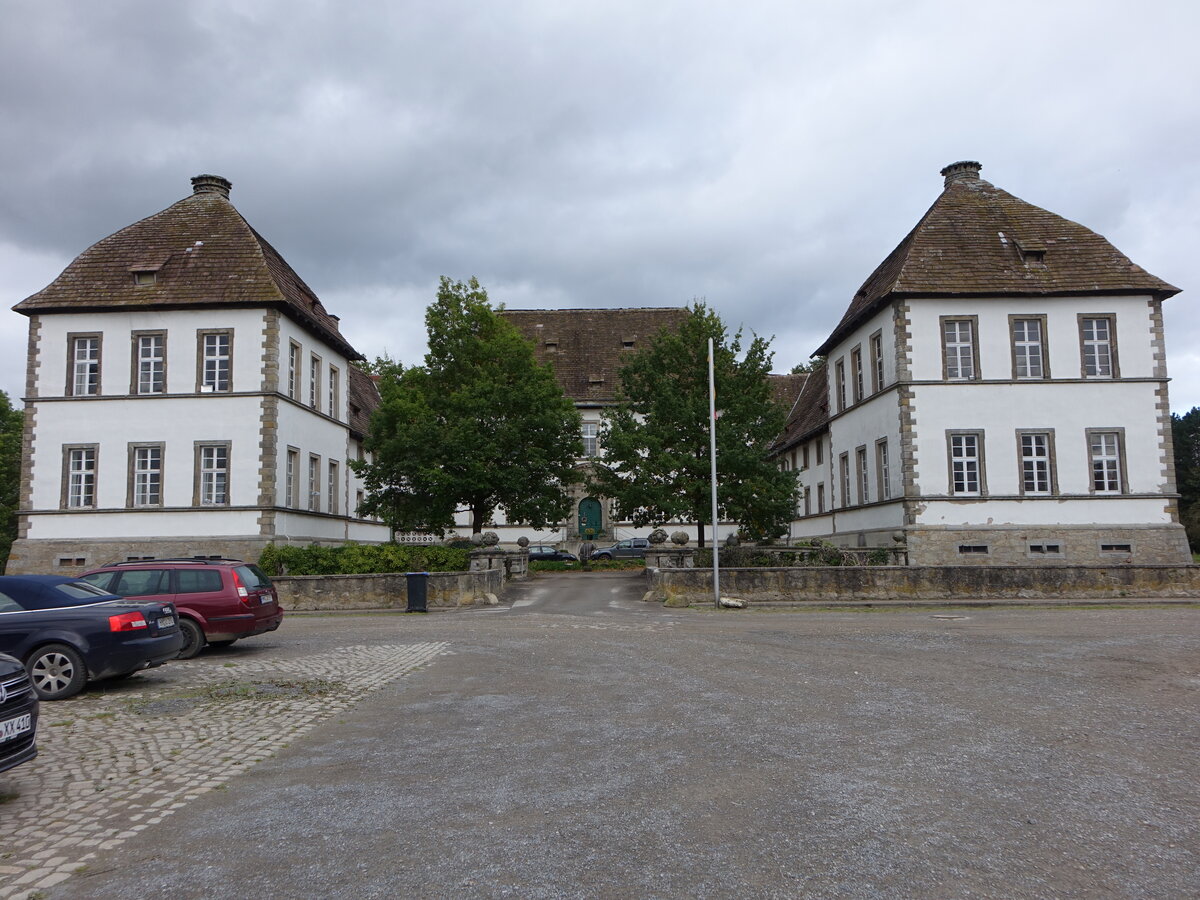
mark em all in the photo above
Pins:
pixel 680 538
pixel 477 538
pixel 732 540
pixel 522 542
pixel 658 536
pixel 490 539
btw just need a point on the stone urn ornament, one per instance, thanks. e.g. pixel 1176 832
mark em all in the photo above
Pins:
pixel 522 542
pixel 477 539
pixel 658 536
pixel 680 538
pixel 490 539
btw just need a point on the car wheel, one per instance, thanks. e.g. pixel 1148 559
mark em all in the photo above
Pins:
pixel 227 643
pixel 57 672
pixel 602 556
pixel 193 638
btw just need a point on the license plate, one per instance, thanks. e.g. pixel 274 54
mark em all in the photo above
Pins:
pixel 11 728
pixel 166 621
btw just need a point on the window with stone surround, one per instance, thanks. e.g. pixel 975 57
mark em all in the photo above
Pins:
pixel 856 371
pixel 291 478
pixel 1028 335
pixel 83 365
pixel 1106 450
pixel 844 478
pixel 79 476
pixel 1098 346
pixel 1036 449
pixel 965 451
pixel 839 370
pixel 145 475
pixel 149 374
pixel 335 385
pixel 590 433
pixel 883 469
pixel 211 486
pixel 332 488
pixel 314 483
pixel 864 475
pixel 314 382
pixel 960 353
pixel 876 344
pixel 215 361
pixel 293 381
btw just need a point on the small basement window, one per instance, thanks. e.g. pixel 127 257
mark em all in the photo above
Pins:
pixel 973 549
pixel 1116 548
pixel 1045 549
pixel 71 562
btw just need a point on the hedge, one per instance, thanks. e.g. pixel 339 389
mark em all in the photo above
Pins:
pixel 362 559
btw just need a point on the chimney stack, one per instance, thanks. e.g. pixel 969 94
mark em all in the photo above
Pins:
pixel 966 170
pixel 215 184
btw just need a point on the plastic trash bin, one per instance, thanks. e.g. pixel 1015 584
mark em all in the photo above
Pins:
pixel 418 591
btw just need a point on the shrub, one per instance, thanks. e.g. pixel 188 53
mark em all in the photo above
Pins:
pixel 361 559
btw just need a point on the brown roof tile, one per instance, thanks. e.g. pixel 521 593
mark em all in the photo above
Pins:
pixel 979 241
pixel 364 400
pixel 585 345
pixel 203 254
pixel 810 413
pixel 785 389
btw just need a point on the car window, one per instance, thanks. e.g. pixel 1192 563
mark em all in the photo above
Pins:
pixel 253 577
pixel 79 592
pixel 143 582
pixel 625 544
pixel 99 579
pixel 199 581
pixel 8 604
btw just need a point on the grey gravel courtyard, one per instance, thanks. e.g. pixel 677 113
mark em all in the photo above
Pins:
pixel 576 742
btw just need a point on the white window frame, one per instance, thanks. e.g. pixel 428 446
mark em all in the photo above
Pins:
pixel 1098 355
pixel 960 348
pixel 1028 347
pixel 1036 451
pixel 80 467
pixel 590 434
pixel 147 469
pixel 212 473
pixel 216 362
pixel 884 469
pixel 150 363
pixel 965 450
pixel 85 365
pixel 1106 455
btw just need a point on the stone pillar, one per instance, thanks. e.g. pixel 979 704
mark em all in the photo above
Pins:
pixel 663 556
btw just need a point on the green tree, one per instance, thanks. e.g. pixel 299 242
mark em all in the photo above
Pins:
pixel 480 425
pixel 656 441
pixel 11 423
pixel 807 368
pixel 1185 430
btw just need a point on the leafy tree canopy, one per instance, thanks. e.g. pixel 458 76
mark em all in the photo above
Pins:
pixel 656 440
pixel 807 368
pixel 11 421
pixel 480 425
pixel 1186 433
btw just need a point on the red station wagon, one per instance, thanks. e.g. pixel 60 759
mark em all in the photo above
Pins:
pixel 219 601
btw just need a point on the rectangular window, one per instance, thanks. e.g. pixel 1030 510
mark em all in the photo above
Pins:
pixel 820 452
pixel 291 476
pixel 807 502
pixel 856 367
pixel 844 479
pixel 359 498
pixel 877 362
pixel 1098 346
pixel 212 465
pixel 314 382
pixel 864 475
pixel 804 457
pixel 840 383
pixel 1107 461
pixel 146 469
pixel 314 483
pixel 83 378
pixel 1037 468
pixel 883 469
pixel 966 463
pixel 332 487
pixel 1044 548
pixel 958 349
pixel 334 391
pixel 79 482
pixel 1028 347
pixel 216 360
pixel 149 362
pixel 967 549
pixel 589 439
pixel 294 371
pixel 820 498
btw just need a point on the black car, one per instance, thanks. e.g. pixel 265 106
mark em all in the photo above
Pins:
pixel 548 553
pixel 18 714
pixel 67 631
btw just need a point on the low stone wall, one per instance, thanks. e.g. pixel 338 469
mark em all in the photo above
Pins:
pixel 388 591
pixel 917 583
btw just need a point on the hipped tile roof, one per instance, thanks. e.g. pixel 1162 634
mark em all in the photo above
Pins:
pixel 585 346
pixel 810 412
pixel 980 241
pixel 203 253
pixel 786 388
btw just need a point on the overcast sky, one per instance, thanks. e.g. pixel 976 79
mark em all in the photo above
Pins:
pixel 765 156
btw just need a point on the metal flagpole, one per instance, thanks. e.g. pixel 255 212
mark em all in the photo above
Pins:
pixel 712 455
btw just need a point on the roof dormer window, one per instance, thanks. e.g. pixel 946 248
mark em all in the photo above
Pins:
pixel 145 278
pixel 1033 253
pixel 628 342
pixel 145 272
pixel 551 345
pixel 595 379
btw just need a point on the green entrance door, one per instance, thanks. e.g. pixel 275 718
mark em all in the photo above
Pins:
pixel 590 523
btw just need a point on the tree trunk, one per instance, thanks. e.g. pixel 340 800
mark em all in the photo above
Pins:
pixel 478 517
pixel 700 533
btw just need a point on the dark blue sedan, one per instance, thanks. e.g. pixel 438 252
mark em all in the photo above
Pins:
pixel 67 631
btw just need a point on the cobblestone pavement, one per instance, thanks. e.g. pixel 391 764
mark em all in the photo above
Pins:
pixel 119 759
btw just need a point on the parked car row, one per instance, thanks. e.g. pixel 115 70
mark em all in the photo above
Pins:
pixel 58 633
